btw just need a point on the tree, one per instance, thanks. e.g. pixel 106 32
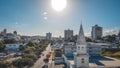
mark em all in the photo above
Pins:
pixel 32 56
pixel 22 47
pixel 2 47
pixel 5 64
pixel 111 38
pixel 9 41
pixel 20 63
pixel 88 39
pixel 30 43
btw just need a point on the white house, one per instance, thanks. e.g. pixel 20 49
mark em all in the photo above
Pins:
pixel 12 47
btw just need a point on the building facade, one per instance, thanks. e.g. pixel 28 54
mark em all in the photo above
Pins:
pixel 68 34
pixel 96 32
pixel 93 49
pixel 49 36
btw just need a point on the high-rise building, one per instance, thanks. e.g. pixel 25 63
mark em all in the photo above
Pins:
pixel 15 33
pixel 4 32
pixel 119 34
pixel 49 36
pixel 68 34
pixel 96 32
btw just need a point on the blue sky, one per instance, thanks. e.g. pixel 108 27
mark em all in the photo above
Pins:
pixel 28 17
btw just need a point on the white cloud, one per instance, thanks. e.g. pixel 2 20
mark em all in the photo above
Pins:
pixel 88 34
pixel 105 32
pixel 110 31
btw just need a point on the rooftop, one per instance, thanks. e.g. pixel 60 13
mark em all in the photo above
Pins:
pixel 99 61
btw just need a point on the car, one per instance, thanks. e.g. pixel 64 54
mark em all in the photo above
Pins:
pixel 42 54
pixel 45 66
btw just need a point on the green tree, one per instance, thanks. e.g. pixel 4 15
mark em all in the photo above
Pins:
pixel 21 47
pixel 2 47
pixel 31 55
pixel 5 64
pixel 30 43
pixel 20 63
pixel 88 39
pixel 9 41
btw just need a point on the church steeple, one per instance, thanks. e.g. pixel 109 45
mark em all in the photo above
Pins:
pixel 81 38
pixel 81 42
pixel 81 57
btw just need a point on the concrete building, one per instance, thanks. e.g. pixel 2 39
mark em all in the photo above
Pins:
pixel 69 50
pixel 94 49
pixel 82 57
pixel 15 33
pixel 49 36
pixel 4 32
pixel 96 32
pixel 12 47
pixel 68 34
pixel 13 36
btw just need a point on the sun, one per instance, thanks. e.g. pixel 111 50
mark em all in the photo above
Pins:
pixel 58 5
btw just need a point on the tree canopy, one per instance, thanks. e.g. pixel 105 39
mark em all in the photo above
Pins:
pixel 2 46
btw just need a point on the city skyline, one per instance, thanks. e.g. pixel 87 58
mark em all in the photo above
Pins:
pixel 37 17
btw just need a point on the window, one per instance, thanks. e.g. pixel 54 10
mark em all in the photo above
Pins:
pixel 82 48
pixel 82 60
pixel 78 48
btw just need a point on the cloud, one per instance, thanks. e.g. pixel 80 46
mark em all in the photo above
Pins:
pixel 105 32
pixel 110 31
pixel 88 34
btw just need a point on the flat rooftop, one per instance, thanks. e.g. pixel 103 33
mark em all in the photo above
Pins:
pixel 104 62
pixel 99 61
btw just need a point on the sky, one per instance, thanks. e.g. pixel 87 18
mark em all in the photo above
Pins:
pixel 37 17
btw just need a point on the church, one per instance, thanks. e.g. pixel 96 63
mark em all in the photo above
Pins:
pixel 81 56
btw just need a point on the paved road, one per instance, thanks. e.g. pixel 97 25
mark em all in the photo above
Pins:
pixel 39 63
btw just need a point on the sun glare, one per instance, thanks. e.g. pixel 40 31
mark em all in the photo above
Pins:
pixel 59 5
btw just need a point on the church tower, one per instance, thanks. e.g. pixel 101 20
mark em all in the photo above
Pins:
pixel 81 57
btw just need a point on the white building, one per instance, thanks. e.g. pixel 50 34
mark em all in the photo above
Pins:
pixel 12 36
pixel 96 32
pixel 68 34
pixel 81 57
pixel 69 50
pixel 94 49
pixel 12 47
pixel 49 36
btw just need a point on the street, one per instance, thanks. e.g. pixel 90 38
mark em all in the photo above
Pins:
pixel 39 63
